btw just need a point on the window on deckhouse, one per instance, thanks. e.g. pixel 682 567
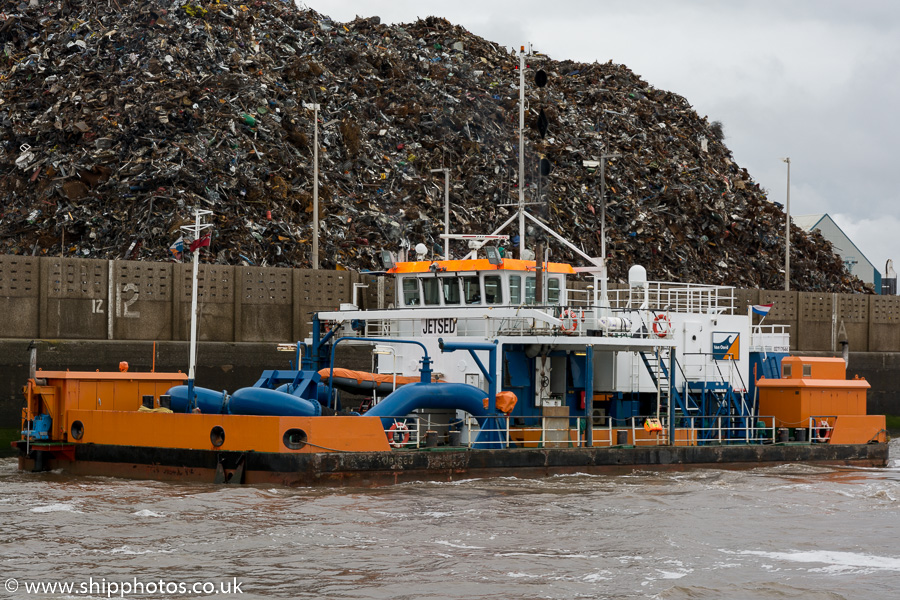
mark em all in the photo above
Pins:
pixel 451 290
pixel 411 292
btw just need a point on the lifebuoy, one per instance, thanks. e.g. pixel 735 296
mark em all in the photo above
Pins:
pixel 662 326
pixel 569 314
pixel 823 433
pixel 398 434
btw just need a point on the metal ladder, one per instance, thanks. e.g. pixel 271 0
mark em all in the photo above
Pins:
pixel 655 364
pixel 635 374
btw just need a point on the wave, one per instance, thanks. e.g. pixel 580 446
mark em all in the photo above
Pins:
pixel 55 508
pixel 833 560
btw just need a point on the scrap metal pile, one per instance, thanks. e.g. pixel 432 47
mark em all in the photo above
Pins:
pixel 117 117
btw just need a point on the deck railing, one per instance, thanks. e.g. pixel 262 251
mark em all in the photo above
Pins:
pixel 770 338
pixel 409 432
pixel 571 320
pixel 678 297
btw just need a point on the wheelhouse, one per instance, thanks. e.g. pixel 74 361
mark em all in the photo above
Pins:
pixel 474 283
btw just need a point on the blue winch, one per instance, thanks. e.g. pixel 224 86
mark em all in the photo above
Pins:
pixel 39 430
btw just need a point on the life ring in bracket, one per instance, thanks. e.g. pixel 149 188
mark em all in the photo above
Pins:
pixel 572 317
pixel 662 326
pixel 823 433
pixel 398 434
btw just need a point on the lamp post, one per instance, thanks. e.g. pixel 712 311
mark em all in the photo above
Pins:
pixel 314 258
pixel 604 288
pixel 315 248
pixel 787 230
pixel 604 279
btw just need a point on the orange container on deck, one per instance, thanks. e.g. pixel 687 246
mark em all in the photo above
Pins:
pixel 104 391
pixel 814 387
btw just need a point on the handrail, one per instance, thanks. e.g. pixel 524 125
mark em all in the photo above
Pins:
pixel 822 431
pixel 683 297
pixel 500 320
pixel 751 433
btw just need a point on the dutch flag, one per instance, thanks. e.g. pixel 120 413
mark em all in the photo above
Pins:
pixel 762 309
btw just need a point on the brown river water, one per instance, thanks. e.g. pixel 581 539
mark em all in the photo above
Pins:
pixel 789 531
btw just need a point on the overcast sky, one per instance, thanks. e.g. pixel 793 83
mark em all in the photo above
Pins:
pixel 816 80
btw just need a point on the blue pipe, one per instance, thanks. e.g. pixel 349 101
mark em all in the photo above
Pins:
pixel 245 401
pixel 490 373
pixel 430 395
pixel 311 360
pixel 185 398
pixel 263 402
pixel 589 395
pixel 192 398
pixel 671 396
pixel 300 354
pixel 443 396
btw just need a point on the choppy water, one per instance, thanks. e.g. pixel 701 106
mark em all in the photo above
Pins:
pixel 792 531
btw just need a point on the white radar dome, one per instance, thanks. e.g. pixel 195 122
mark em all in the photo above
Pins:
pixel 637 277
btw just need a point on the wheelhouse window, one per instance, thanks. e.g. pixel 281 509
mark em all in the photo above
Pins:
pixel 529 290
pixel 451 290
pixel 493 290
pixel 432 291
pixel 471 290
pixel 553 290
pixel 411 292
pixel 515 290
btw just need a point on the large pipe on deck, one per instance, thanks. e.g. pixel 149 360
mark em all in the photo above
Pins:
pixel 430 395
pixel 245 401
pixel 260 401
pixel 208 401
pixel 458 396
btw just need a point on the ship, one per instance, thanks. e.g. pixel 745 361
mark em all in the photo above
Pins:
pixel 483 366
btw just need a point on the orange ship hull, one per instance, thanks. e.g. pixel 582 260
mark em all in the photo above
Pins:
pixel 96 424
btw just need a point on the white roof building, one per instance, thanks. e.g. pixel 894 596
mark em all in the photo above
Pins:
pixel 853 258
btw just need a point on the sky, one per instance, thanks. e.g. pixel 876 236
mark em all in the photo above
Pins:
pixel 814 80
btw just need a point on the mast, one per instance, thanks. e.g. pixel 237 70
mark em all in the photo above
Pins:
pixel 522 152
pixel 196 230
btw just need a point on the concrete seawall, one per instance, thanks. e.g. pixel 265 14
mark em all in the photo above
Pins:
pixel 87 299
